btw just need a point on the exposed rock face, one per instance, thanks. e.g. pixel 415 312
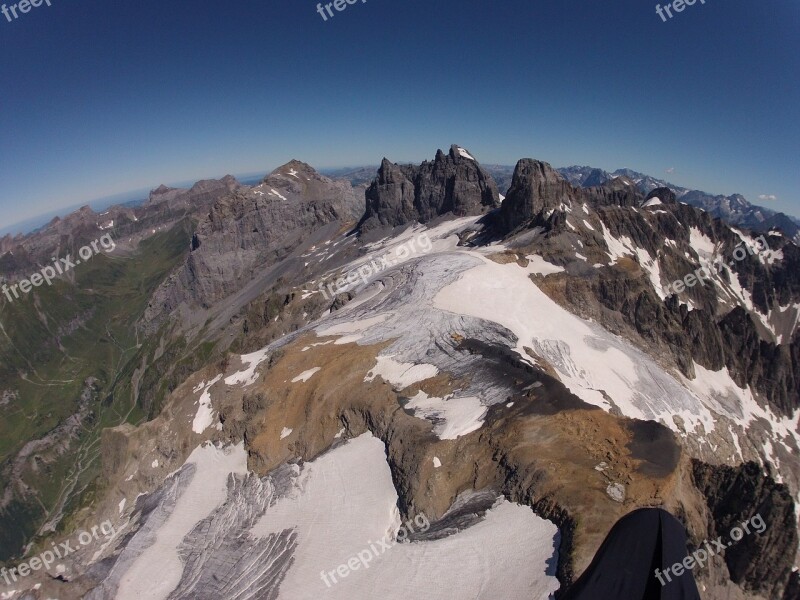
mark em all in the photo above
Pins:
pixel 207 191
pixel 535 189
pixel 719 331
pixel 596 178
pixel 452 183
pixel 263 250
pixel 792 591
pixel 619 191
pixel 248 230
pixel 665 195
pixel 126 225
pixel 760 562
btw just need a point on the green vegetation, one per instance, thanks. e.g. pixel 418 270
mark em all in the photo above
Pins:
pixel 51 343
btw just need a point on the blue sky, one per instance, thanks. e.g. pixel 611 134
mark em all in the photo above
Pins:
pixel 103 97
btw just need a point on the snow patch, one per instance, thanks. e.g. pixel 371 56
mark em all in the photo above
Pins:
pixel 616 491
pixel 465 154
pixel 345 500
pixel 539 266
pixel 158 569
pixel 400 375
pixel 306 375
pixel 452 417
pixel 248 376
pixel 274 192
pixel 205 413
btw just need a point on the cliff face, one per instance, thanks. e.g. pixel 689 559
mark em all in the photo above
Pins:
pixel 535 189
pixel 453 183
pixel 248 230
pixel 742 317
pixel 760 562
pixel 125 224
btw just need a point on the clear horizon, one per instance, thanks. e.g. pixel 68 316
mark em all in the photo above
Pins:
pixel 27 225
pixel 105 98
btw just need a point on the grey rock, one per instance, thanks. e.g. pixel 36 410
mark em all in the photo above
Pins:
pixel 248 230
pixel 535 188
pixel 760 562
pixel 405 194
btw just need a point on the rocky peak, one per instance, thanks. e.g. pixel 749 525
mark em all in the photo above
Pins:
pixel 456 153
pixel 163 194
pixel 162 189
pixel 452 183
pixel 296 169
pixel 207 185
pixel 298 183
pixel 663 194
pixel 535 188
pixel 595 178
pixel 249 229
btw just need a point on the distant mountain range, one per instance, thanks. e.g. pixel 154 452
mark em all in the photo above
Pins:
pixel 735 209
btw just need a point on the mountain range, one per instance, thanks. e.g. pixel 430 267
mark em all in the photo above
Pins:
pixel 734 209
pixel 505 357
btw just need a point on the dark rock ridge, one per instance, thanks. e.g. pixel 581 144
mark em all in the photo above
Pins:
pixel 734 209
pixel 664 195
pixel 714 335
pixel 619 191
pixel 452 183
pixel 760 562
pixel 536 188
pixel 710 335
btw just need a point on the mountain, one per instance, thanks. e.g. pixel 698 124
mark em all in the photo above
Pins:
pixel 734 209
pixel 313 389
pixel 452 183
pixel 247 231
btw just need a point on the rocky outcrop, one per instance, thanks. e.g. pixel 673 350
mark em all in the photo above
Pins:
pixel 453 183
pixel 127 225
pixel 536 188
pixel 619 191
pixel 247 231
pixel 596 178
pixel 663 194
pixel 718 330
pixel 759 561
